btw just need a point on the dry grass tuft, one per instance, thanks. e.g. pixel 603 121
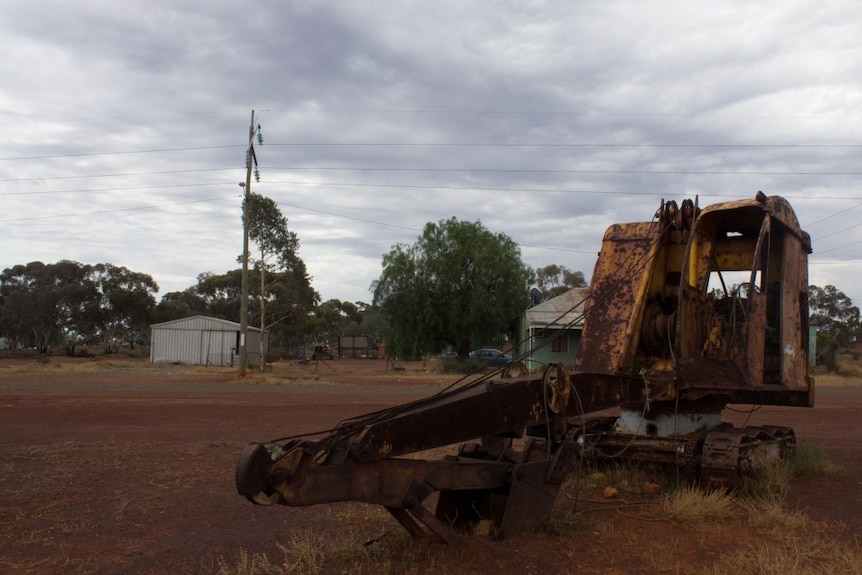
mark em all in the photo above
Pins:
pixel 690 505
pixel 770 517
pixel 768 481
pixel 247 564
pixel 807 554
pixel 810 460
pixel 844 379
pixel 304 553
pixel 313 553
pixel 22 567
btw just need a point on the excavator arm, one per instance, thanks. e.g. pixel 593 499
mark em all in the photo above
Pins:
pixel 508 471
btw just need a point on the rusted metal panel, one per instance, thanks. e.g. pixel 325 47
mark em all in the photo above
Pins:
pixel 794 337
pixel 619 275
pixel 530 499
pixel 497 407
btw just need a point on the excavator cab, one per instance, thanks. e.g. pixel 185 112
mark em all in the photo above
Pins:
pixel 715 299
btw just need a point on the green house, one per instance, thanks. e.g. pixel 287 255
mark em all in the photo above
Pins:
pixel 550 332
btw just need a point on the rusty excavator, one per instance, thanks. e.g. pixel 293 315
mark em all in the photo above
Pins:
pixel 688 313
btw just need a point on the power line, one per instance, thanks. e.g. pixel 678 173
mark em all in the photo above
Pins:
pixel 404 187
pixel 118 153
pixel 117 210
pixel 106 190
pixel 541 145
pixel 114 118
pixel 346 217
pixel 530 190
pixel 342 216
pixel 587 252
pixel 552 113
pixel 429 111
pixel 833 263
pixel 835 214
pixel 560 171
pixel 817 239
pixel 821 252
pixel 449 144
pixel 120 175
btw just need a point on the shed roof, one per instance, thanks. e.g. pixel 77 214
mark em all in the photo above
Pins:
pixel 202 322
pixel 565 310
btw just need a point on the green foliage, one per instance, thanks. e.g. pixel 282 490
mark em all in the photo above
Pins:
pixel 126 301
pixel 333 318
pixel 268 229
pixel 180 304
pixel 47 304
pixel 68 303
pixel 284 294
pixel 458 284
pixel 290 300
pixel 838 322
pixel 553 280
pixel 810 460
pixel 221 293
pixel 461 365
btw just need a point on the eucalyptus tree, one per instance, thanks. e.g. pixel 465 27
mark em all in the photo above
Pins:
pixel 221 293
pixel 68 302
pixel 126 300
pixel 280 269
pixel 553 280
pixel 837 321
pixel 44 304
pixel 335 317
pixel 180 304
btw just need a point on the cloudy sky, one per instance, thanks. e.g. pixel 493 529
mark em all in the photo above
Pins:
pixel 125 125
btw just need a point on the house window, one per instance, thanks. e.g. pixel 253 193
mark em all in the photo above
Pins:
pixel 560 344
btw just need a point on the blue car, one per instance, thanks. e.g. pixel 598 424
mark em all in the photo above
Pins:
pixel 493 357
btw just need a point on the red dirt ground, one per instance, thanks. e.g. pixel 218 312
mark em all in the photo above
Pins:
pixel 129 468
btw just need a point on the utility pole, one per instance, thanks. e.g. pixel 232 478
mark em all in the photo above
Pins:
pixel 243 304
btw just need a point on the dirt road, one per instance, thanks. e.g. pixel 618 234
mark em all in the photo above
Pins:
pixel 131 470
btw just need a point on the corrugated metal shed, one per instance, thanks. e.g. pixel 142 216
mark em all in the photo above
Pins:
pixel 551 330
pixel 201 340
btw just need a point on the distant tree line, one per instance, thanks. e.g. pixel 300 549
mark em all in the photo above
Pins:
pixel 66 306
pixel 69 306
pixel 459 286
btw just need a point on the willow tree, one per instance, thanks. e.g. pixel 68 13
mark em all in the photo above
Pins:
pixel 459 284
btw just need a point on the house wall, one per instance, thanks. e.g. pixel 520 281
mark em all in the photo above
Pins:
pixel 539 351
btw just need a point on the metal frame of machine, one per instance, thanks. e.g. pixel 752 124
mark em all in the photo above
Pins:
pixel 667 339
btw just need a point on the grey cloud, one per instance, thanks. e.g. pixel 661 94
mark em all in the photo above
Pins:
pixel 632 89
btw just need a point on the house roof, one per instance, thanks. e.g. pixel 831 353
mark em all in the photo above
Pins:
pixel 202 322
pixel 565 310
